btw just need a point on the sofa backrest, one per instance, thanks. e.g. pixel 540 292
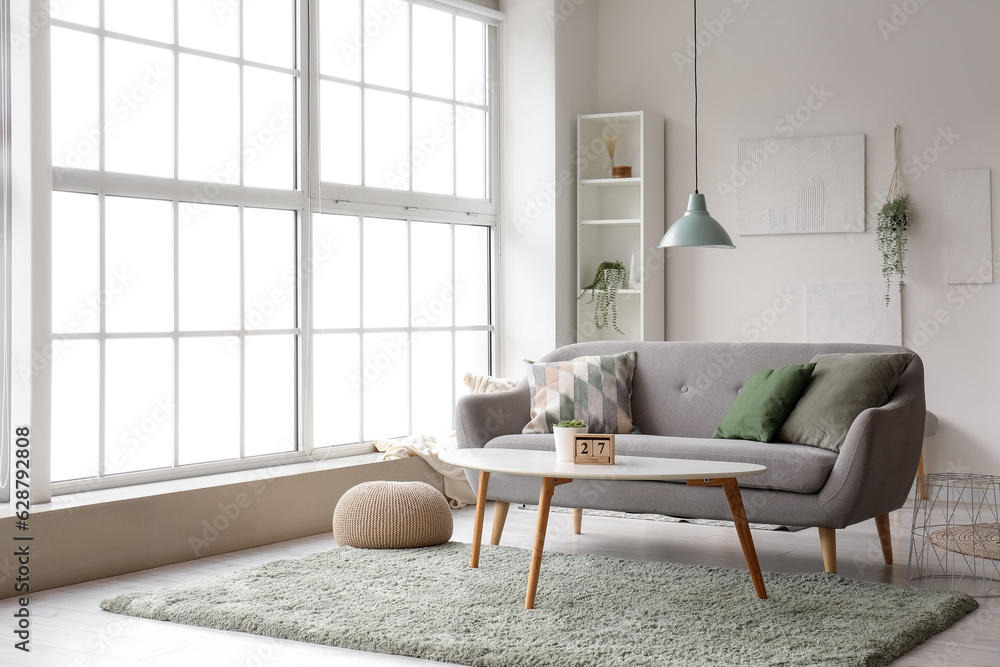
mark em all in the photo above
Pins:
pixel 685 388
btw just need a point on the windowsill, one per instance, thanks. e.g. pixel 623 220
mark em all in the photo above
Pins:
pixel 84 498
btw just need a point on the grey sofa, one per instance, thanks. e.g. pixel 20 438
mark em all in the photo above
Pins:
pixel 680 393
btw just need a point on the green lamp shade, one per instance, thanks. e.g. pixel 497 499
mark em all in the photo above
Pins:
pixel 696 228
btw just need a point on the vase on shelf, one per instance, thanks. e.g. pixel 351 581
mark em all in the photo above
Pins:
pixel 610 142
pixel 634 274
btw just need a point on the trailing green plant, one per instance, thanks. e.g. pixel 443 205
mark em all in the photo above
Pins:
pixel 893 221
pixel 571 423
pixel 609 278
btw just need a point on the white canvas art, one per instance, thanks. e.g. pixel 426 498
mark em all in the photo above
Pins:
pixel 802 186
pixel 968 227
pixel 852 313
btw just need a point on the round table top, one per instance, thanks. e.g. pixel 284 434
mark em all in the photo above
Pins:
pixel 535 463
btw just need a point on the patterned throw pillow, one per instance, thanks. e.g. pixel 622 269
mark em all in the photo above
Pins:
pixel 597 390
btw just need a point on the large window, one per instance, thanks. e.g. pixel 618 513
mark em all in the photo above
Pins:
pixel 267 237
pixel 404 98
pixel 415 318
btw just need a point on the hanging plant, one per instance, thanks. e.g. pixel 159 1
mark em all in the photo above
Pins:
pixel 892 225
pixel 893 222
pixel 609 278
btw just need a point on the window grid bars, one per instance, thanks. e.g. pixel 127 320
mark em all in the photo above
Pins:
pixel 175 207
pixel 362 332
pixel 102 336
pixel 103 33
pixel 409 101
pixel 242 337
pixel 363 86
pixel 102 428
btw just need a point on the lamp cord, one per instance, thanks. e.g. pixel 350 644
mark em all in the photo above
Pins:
pixel 695 2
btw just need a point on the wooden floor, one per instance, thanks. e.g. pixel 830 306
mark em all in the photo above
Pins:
pixel 69 629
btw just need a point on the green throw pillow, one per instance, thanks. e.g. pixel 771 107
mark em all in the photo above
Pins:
pixel 843 386
pixel 764 403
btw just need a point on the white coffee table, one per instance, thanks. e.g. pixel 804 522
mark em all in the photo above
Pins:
pixel 553 473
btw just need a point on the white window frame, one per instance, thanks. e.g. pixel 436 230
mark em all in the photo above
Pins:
pixel 363 201
pixel 176 191
pixel 309 195
pixel 490 327
pixel 386 201
pixel 6 274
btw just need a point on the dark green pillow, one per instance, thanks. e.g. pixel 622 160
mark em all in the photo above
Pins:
pixel 765 402
pixel 843 386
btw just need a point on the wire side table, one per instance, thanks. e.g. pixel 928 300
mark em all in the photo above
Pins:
pixel 955 537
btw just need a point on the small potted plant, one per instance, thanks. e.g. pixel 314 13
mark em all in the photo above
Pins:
pixel 609 278
pixel 564 432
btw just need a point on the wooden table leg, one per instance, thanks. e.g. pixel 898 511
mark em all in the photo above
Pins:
pixel 577 520
pixel 544 501
pixel 549 485
pixel 499 519
pixel 477 530
pixel 743 530
pixel 732 489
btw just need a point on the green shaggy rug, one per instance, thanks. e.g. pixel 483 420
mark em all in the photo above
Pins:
pixel 590 610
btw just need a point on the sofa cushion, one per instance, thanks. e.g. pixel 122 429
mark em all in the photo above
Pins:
pixel 597 390
pixel 842 387
pixel 764 403
pixel 795 468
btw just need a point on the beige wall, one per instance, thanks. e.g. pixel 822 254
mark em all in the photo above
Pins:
pixel 935 75
pixel 94 541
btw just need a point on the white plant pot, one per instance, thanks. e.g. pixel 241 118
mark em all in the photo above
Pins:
pixel 564 441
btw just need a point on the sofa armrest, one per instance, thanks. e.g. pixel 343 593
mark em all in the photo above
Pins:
pixel 481 417
pixel 874 472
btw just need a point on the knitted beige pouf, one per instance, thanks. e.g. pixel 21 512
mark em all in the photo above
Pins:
pixel 392 515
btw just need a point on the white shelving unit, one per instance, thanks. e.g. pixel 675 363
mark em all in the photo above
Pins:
pixel 621 217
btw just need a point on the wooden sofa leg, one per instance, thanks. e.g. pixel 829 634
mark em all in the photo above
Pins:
pixel 577 520
pixel 499 519
pixel 921 487
pixel 828 542
pixel 884 537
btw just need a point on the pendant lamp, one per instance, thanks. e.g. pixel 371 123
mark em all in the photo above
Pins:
pixel 696 227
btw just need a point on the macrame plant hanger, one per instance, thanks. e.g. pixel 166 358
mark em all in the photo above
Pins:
pixel 897 186
pixel 893 222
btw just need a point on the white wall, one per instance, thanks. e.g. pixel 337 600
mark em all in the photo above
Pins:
pixel 576 32
pixel 528 238
pixel 936 73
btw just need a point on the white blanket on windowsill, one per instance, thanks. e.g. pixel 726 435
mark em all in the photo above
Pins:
pixel 456 486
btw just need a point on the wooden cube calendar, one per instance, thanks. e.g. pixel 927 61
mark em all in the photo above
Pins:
pixel 594 449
